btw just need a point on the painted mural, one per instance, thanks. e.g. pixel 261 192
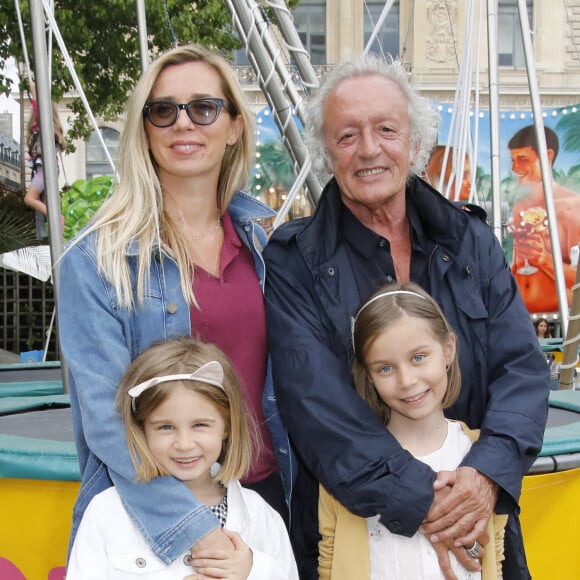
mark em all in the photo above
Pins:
pixel 526 228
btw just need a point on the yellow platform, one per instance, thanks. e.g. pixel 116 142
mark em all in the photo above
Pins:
pixel 550 514
pixel 36 516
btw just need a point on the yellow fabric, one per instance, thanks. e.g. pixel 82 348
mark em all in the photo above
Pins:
pixel 344 551
pixel 36 521
pixel 550 515
pixel 344 548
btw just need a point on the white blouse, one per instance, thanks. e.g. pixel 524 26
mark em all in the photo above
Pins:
pixel 401 558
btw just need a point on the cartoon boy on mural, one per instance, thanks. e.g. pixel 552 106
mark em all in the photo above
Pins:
pixel 533 264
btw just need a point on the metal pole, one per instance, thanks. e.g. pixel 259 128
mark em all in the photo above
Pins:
pixel 76 80
pixel 22 38
pixel 260 37
pixel 385 12
pixel 544 166
pixel 272 89
pixel 294 44
pixel 142 29
pixel 572 338
pixel 23 146
pixel 494 116
pixel 49 163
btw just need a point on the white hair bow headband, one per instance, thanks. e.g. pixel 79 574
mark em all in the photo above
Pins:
pixel 211 373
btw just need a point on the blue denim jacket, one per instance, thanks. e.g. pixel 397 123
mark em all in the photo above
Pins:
pixel 99 339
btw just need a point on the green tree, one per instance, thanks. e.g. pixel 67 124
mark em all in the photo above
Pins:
pixel 103 42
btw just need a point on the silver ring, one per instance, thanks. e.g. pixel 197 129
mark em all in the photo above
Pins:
pixel 475 550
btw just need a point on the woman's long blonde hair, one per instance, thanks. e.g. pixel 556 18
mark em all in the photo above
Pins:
pixel 135 211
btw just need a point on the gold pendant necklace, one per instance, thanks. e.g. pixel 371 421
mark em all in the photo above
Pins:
pixel 204 235
pixel 209 232
pixel 214 269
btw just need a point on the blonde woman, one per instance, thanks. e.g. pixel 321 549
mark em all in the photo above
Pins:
pixel 173 252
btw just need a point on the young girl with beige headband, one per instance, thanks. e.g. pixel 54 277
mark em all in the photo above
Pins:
pixel 184 417
pixel 406 368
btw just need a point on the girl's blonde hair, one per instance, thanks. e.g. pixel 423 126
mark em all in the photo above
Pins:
pixel 379 311
pixel 135 211
pixel 184 356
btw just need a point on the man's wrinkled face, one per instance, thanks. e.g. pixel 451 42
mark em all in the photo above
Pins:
pixel 367 135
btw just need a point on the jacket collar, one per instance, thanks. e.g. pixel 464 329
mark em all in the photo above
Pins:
pixel 244 207
pixel 443 221
pixel 239 514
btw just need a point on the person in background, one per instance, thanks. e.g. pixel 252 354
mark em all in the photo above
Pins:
pixel 34 196
pixel 376 223
pixel 181 404
pixel 406 368
pixel 435 170
pixel 173 251
pixel 542 327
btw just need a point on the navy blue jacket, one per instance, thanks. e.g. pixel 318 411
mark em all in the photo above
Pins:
pixel 312 296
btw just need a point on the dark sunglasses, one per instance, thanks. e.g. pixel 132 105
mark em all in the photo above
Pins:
pixel 203 111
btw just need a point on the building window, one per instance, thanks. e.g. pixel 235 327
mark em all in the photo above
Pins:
pixel 310 21
pixel 387 40
pixel 97 162
pixel 509 38
pixel 240 56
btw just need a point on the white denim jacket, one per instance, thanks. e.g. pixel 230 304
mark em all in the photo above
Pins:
pixel 108 545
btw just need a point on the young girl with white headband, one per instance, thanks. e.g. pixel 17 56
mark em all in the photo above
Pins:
pixel 406 368
pixel 184 417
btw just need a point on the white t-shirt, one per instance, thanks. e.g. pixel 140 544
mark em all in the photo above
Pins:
pixel 396 557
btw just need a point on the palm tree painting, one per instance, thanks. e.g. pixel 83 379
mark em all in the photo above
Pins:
pixel 568 129
pixel 274 167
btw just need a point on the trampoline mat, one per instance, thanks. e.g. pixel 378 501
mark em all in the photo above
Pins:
pixel 50 371
pixel 559 417
pixel 49 424
pixel 38 442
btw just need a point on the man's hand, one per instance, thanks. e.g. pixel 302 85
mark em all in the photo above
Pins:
pixel 456 507
pixel 442 550
pixel 217 563
pixel 460 510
